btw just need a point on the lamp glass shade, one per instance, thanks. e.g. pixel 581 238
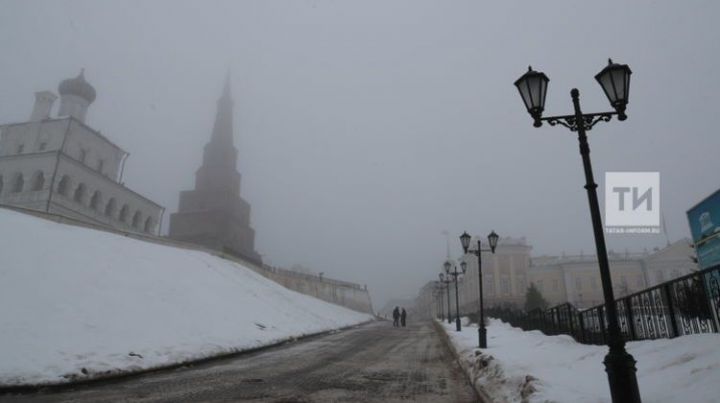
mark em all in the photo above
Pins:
pixel 442 277
pixel 447 266
pixel 465 241
pixel 493 240
pixel 615 82
pixel 463 266
pixel 533 89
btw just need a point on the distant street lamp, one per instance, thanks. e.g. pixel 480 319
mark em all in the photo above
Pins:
pixel 439 294
pixel 454 273
pixel 615 82
pixel 447 282
pixel 492 241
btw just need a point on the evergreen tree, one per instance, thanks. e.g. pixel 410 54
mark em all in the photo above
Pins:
pixel 534 299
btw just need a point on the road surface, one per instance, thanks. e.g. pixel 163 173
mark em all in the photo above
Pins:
pixel 369 363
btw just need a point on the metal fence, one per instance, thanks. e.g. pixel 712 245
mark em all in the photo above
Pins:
pixel 686 305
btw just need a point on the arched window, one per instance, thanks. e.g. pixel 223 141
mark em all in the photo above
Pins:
pixel 63 185
pixel 19 184
pixel 123 213
pixel 38 181
pixel 79 195
pixel 110 208
pixel 95 200
pixel 136 219
pixel 148 224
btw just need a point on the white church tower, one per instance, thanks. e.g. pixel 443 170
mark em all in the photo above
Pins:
pixel 76 95
pixel 63 166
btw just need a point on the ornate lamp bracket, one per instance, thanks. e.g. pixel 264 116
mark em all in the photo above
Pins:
pixel 588 120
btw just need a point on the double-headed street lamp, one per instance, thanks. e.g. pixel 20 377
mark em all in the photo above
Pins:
pixel 492 241
pixel 451 270
pixel 447 282
pixel 615 82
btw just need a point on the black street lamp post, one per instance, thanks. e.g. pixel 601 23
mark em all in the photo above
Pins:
pixel 615 82
pixel 492 241
pixel 441 304
pixel 447 282
pixel 454 273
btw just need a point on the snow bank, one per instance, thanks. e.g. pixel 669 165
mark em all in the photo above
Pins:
pixel 78 303
pixel 521 366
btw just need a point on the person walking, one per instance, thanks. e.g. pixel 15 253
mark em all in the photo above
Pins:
pixel 396 317
pixel 403 315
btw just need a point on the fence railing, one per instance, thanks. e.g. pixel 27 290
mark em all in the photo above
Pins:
pixel 686 305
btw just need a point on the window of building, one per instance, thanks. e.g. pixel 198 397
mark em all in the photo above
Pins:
pixel 19 184
pixel 110 208
pixel 540 286
pixel 63 185
pixel 42 146
pixel 520 282
pixel 148 224
pixel 505 285
pixel 504 263
pixel 95 200
pixel 38 181
pixel 136 220
pixel 83 155
pixel 21 148
pixel 123 213
pixel 489 285
pixel 79 195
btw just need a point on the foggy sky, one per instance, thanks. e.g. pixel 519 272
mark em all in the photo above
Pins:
pixel 367 128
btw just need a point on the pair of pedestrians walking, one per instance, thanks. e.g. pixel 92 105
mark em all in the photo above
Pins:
pixel 399 317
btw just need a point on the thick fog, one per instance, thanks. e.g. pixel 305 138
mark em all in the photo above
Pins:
pixel 366 129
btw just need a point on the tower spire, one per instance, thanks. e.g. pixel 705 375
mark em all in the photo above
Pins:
pixel 227 90
pixel 213 214
pixel 223 128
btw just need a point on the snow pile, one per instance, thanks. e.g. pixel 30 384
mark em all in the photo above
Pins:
pixel 521 366
pixel 78 303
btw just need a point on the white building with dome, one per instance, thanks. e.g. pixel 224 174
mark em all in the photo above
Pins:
pixel 61 165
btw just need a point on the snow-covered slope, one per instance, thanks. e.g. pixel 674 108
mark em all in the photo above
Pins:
pixel 75 300
pixel 521 366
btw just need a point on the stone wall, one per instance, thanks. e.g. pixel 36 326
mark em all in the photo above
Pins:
pixel 349 295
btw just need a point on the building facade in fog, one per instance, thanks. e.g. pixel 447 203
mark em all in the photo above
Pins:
pixel 63 166
pixel 576 279
pixel 505 275
pixel 213 214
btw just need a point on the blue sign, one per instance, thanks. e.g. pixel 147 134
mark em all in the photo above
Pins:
pixel 704 221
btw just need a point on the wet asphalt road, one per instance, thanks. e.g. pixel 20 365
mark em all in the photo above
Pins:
pixel 370 363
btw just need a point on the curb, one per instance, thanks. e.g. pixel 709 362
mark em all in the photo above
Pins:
pixel 108 378
pixel 446 339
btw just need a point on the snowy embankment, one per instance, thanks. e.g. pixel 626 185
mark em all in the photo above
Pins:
pixel 77 304
pixel 521 366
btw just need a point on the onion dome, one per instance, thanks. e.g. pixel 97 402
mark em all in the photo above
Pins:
pixel 78 86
